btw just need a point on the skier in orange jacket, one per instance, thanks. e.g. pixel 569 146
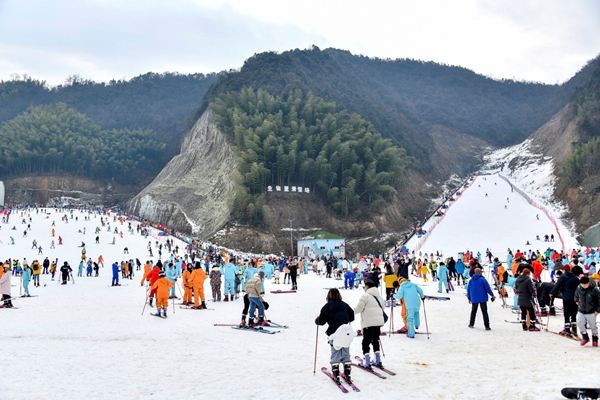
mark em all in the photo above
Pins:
pixel 197 279
pixel 146 272
pixel 187 285
pixel 162 286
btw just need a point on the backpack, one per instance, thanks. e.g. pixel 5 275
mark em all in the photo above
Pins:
pixel 36 267
pixel 343 336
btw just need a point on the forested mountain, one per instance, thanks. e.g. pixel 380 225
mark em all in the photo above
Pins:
pixel 402 98
pixel 160 102
pixel 54 139
pixel 300 139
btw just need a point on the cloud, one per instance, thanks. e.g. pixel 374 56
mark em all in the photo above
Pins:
pixel 105 40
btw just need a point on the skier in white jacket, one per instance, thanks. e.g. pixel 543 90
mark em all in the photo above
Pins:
pixel 370 308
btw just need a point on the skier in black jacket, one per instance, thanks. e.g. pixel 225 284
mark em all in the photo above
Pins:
pixel 568 283
pixel 588 307
pixel 336 313
pixel 524 287
pixel 65 270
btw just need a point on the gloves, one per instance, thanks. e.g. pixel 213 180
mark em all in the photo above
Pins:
pixel 493 299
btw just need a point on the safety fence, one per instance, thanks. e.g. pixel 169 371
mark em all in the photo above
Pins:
pixel 467 184
pixel 539 207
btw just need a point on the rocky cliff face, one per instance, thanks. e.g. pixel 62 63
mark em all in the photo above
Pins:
pixel 66 190
pixel 194 192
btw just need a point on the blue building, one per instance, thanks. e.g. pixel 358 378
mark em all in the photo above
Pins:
pixel 321 243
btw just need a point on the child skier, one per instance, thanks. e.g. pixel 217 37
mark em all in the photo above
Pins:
pixel 588 307
pixel 442 277
pixel 162 286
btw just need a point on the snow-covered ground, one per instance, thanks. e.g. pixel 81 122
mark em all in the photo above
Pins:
pixel 90 340
pixel 475 222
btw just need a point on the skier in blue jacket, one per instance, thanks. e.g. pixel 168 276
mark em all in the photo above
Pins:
pixel 27 273
pixel 412 295
pixel 171 274
pixel 115 271
pixel 229 271
pixel 248 273
pixel 442 273
pixel 477 293
pixel 460 269
pixel 269 269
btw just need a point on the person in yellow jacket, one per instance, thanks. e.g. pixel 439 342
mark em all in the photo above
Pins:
pixel 197 279
pixel 37 269
pixel 389 278
pixel 424 271
pixel 187 285
pixel 147 268
pixel 162 286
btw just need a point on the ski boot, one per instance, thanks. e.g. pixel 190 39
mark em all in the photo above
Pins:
pixel 524 325
pixel 544 312
pixel 226 298
pixel 403 330
pixel 214 299
pixel 552 311
pixel 261 321
pixel 585 339
pixel 595 340
pixel 378 359
pixel 366 363
pixel 387 303
pixel 202 306
pixel 150 302
pixel 574 331
pixel 251 322
pixel 566 331
pixel 335 369
pixel 533 328
pixel 243 322
pixel 347 372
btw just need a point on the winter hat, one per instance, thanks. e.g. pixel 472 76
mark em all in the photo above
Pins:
pixel 595 276
pixel 584 280
pixel 526 271
pixel 261 274
pixel 567 267
pixel 162 274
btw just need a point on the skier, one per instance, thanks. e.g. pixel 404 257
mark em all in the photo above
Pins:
pixel 215 282
pixel 152 278
pixel 115 277
pixel 253 291
pixel 65 270
pixel 567 284
pixel 27 274
pixel 229 271
pixel 197 279
pixel 5 285
pixel 524 287
pixel 443 277
pixel 336 313
pixel 412 296
pixel 161 286
pixel 36 269
pixel 80 270
pixel 147 268
pixel 588 303
pixel 370 308
pixel 170 274
pixel 477 293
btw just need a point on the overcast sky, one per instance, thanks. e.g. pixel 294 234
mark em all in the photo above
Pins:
pixel 535 40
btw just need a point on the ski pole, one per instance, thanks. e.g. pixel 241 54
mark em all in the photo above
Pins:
pixel 146 301
pixel 381 345
pixel 425 314
pixel 72 278
pixel 316 347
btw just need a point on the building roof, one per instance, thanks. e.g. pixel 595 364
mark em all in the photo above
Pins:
pixel 320 235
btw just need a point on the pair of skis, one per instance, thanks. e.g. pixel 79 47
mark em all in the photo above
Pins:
pixel 258 329
pixel 271 325
pixel 351 384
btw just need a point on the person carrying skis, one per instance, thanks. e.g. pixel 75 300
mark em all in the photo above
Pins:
pixel 162 286
pixel 197 279
pixel 524 287
pixel 370 308
pixel 588 307
pixel 336 313
pixel 65 270
pixel 442 277
pixel 477 293
pixel 27 274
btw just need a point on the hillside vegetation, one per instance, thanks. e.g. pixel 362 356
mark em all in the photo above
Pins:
pixel 300 139
pixel 55 139
pixel 404 98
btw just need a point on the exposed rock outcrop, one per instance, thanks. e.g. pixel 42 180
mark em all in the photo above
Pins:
pixel 194 192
